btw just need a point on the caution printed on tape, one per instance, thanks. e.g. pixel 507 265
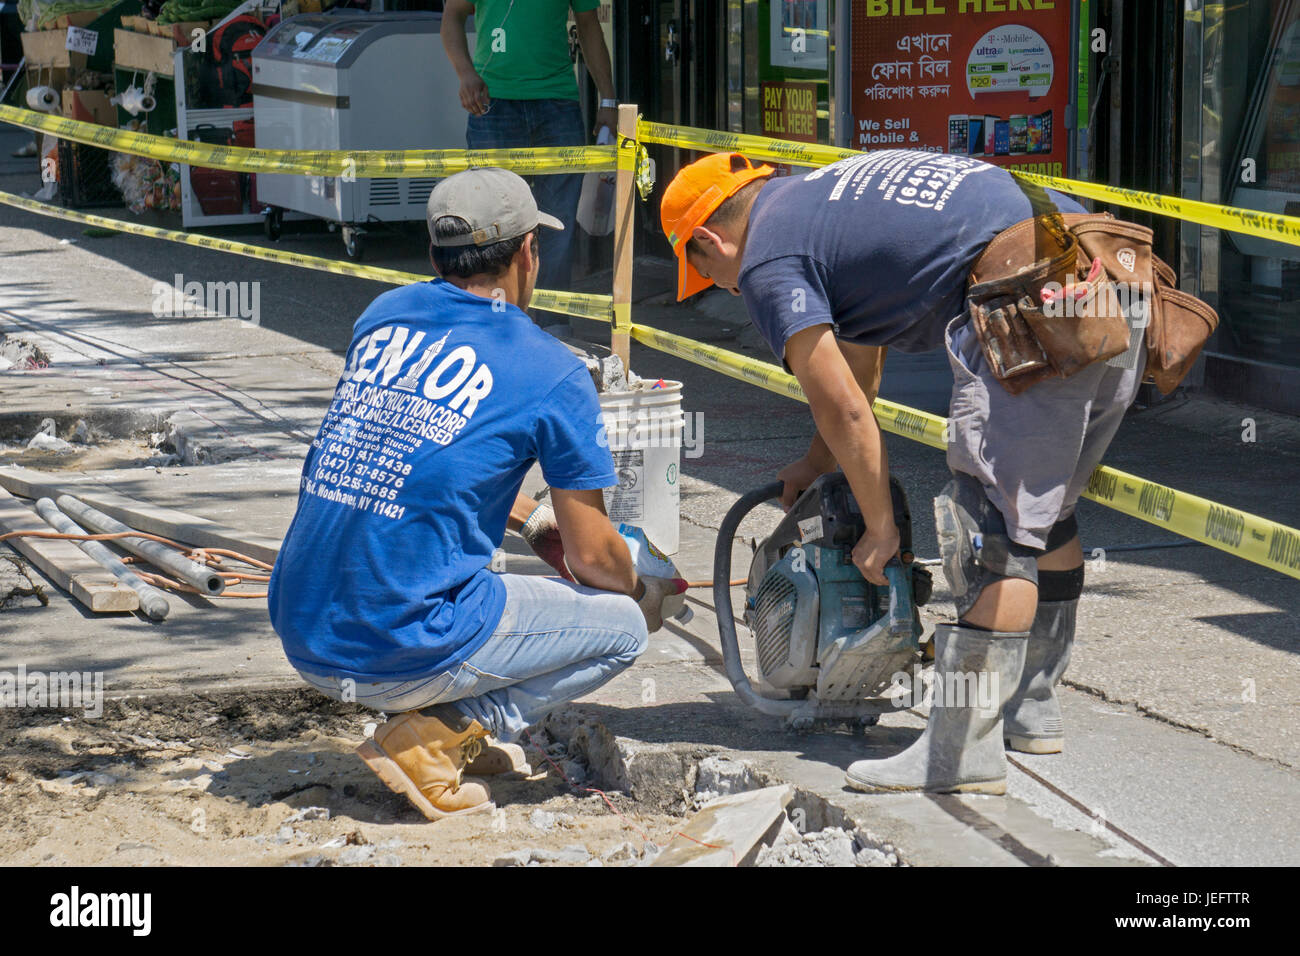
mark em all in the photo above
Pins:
pixel 1229 218
pixel 1237 532
pixel 1248 536
pixel 361 164
pixel 570 303
pixel 899 419
pixel 755 147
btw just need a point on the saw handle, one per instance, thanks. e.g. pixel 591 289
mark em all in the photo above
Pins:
pixel 899 577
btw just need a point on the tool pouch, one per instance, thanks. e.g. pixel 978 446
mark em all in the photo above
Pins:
pixel 1025 340
pixel 1088 324
pixel 1180 326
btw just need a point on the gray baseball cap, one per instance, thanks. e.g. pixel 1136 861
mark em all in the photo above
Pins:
pixel 496 203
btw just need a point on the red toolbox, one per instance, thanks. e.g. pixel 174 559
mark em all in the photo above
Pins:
pixel 219 191
pixel 244 136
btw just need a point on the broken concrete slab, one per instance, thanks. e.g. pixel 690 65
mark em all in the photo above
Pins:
pixel 730 830
pixel 662 775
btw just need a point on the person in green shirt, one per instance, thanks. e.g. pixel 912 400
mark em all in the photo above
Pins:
pixel 520 91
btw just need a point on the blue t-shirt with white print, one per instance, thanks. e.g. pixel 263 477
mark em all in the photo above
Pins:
pixel 878 245
pixel 446 401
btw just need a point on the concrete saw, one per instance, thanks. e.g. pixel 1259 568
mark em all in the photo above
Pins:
pixel 828 643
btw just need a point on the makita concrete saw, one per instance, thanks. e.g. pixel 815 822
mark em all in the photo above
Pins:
pixel 828 642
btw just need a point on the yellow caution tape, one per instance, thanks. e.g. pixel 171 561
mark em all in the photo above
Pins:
pixel 1230 218
pixel 361 164
pixel 1240 533
pixel 571 303
pixel 899 419
pixel 755 147
pixel 622 312
pixel 584 305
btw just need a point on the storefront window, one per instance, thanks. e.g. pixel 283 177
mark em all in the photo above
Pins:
pixel 1242 148
pixel 795 63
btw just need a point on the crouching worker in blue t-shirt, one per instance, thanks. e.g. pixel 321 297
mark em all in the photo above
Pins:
pixel 382 593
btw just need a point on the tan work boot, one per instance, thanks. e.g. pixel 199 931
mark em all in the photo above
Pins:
pixel 423 758
pixel 498 758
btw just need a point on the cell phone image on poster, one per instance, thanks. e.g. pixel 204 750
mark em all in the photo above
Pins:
pixel 958 135
pixel 1034 136
pixel 976 144
pixel 1002 138
pixel 1019 134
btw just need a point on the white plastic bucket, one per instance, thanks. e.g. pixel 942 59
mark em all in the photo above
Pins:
pixel 643 430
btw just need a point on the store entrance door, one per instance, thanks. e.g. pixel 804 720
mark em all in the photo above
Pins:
pixel 676 61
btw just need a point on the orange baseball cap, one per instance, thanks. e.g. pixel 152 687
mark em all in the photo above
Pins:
pixel 691 198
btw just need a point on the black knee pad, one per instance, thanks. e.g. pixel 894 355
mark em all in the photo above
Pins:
pixel 1060 585
pixel 1062 532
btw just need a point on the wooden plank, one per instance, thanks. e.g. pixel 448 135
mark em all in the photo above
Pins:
pixel 49 48
pixel 140 51
pixel 141 516
pixel 725 831
pixel 63 562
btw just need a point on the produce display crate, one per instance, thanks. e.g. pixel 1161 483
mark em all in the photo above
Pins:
pixel 144 52
pixel 85 176
pixel 47 49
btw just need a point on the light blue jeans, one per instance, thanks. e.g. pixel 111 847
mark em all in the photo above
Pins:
pixel 555 642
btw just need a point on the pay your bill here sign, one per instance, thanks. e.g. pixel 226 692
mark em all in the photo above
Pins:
pixel 983 78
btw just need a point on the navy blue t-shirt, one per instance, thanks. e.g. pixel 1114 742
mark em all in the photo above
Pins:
pixel 878 245
pixel 446 401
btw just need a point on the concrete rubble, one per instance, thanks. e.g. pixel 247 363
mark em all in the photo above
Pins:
pixel 829 847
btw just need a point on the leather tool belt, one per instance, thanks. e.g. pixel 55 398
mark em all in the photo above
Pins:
pixel 1026 338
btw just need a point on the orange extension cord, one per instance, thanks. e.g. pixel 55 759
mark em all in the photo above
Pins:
pixel 211 557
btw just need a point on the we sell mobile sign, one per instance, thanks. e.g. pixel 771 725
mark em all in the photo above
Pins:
pixel 984 78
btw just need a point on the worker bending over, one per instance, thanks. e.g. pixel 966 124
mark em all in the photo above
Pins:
pixel 916 250
pixel 383 592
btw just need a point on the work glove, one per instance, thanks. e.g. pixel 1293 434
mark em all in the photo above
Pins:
pixel 658 592
pixel 543 536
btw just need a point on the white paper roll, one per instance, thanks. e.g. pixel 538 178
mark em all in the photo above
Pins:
pixel 43 98
pixel 135 101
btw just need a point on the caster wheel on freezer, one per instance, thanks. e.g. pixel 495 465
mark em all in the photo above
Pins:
pixel 353 243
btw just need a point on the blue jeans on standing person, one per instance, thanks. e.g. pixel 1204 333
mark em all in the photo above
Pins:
pixel 555 642
pixel 523 124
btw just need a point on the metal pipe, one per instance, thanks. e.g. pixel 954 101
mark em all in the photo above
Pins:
pixel 152 601
pixel 202 579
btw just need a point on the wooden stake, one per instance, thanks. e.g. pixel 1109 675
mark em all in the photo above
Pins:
pixel 624 223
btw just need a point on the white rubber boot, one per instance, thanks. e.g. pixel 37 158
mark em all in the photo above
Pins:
pixel 961 748
pixel 1031 721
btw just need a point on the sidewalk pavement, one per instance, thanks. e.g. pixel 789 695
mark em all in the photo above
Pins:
pixel 1181 696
